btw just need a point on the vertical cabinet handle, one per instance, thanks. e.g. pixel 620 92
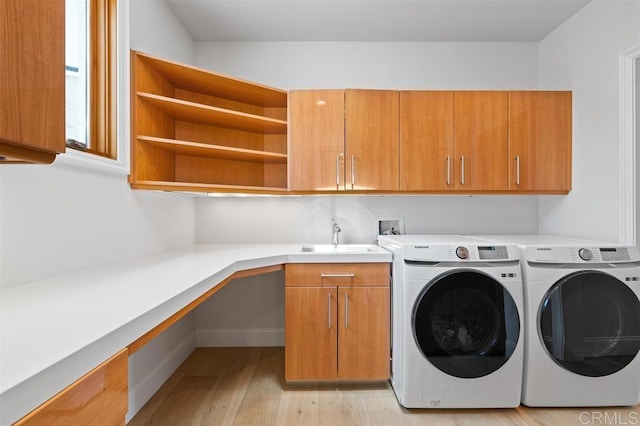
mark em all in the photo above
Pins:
pixel 517 170
pixel 338 171
pixel 462 170
pixel 448 170
pixel 353 170
pixel 329 306
pixel 346 310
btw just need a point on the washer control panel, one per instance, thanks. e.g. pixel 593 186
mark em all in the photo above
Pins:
pixel 579 255
pixel 459 253
pixel 493 252
pixel 614 254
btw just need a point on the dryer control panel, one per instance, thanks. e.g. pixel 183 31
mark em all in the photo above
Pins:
pixel 581 255
pixel 459 253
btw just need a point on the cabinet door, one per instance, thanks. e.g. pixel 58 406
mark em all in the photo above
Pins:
pixel 540 141
pixel 363 334
pixel 480 140
pixel 32 88
pixel 310 333
pixel 316 140
pixel 426 140
pixel 372 146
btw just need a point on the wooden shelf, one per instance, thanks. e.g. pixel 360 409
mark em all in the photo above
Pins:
pixel 204 114
pixel 180 114
pixel 205 187
pixel 214 151
pixel 203 81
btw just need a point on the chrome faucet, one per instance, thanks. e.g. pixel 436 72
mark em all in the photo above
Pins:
pixel 336 230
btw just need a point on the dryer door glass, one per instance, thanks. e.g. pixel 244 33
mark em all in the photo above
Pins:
pixel 466 324
pixel 589 323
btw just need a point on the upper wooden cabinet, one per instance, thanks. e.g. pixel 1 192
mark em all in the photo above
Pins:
pixel 32 81
pixel 517 141
pixel 316 132
pixel 371 146
pixel 193 130
pixel 540 141
pixel 343 140
pixel 480 140
pixel 426 141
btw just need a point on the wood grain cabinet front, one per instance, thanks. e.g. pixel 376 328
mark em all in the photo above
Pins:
pixel 485 141
pixel 480 150
pixel 343 140
pixel 316 134
pixel 97 398
pixel 337 322
pixel 540 131
pixel 32 81
pixel 426 141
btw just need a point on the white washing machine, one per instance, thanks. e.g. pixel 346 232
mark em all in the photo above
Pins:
pixel 456 322
pixel 582 321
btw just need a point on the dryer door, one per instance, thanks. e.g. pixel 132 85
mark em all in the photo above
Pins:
pixel 589 323
pixel 466 323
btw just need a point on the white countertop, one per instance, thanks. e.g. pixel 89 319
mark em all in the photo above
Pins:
pixel 54 331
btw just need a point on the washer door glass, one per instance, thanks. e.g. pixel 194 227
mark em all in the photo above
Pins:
pixel 466 324
pixel 589 323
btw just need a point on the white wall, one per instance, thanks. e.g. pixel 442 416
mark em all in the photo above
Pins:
pixel 246 312
pixel 394 65
pixel 583 55
pixel 156 30
pixel 307 219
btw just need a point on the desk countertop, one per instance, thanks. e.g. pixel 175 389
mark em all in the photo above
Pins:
pixel 54 331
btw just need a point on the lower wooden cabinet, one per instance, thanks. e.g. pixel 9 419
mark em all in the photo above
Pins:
pixel 337 322
pixel 98 398
pixel 363 333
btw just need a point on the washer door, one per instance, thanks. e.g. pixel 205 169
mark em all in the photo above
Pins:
pixel 466 323
pixel 589 322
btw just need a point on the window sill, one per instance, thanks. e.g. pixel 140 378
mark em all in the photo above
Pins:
pixel 91 162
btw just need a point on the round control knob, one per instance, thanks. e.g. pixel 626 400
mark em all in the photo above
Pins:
pixel 585 254
pixel 462 252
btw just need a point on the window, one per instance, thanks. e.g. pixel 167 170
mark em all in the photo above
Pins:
pixel 90 66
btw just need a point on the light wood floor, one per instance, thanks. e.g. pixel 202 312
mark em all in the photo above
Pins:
pixel 245 386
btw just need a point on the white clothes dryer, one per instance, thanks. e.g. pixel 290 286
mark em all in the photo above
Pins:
pixel 456 322
pixel 582 321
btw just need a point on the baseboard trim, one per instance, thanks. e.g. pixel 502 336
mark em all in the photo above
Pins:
pixel 144 389
pixel 249 337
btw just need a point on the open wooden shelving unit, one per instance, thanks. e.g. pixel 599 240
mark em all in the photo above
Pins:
pixel 194 130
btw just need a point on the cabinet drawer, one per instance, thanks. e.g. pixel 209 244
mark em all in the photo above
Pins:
pixel 99 397
pixel 337 274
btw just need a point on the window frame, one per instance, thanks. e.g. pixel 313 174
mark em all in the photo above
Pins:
pixel 103 70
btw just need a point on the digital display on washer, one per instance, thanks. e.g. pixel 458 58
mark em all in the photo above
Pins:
pixel 493 252
pixel 612 254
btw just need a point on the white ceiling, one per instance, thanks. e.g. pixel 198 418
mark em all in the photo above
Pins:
pixel 381 20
